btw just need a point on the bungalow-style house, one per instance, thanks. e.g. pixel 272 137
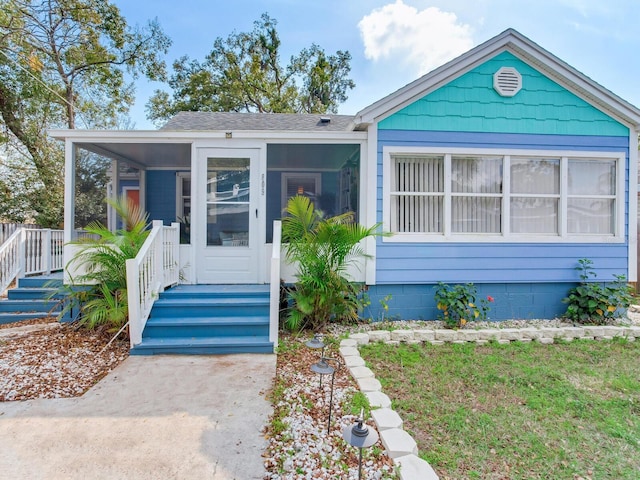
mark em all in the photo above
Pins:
pixel 503 167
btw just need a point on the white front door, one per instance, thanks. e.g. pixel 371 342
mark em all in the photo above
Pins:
pixel 227 248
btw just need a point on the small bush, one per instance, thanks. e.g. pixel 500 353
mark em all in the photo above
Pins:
pixel 459 304
pixel 596 302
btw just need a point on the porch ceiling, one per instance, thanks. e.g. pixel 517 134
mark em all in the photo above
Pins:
pixel 149 155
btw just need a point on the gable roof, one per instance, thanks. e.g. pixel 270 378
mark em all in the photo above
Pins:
pixel 228 121
pixel 514 42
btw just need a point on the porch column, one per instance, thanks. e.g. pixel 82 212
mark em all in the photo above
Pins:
pixel 69 190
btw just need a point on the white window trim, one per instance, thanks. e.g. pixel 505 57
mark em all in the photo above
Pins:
pixel 506 237
pixel 180 176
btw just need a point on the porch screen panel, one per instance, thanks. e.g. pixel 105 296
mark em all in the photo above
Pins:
pixel 417 194
pixel 535 195
pixel 476 194
pixel 591 202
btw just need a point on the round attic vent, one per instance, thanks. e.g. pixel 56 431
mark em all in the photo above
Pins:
pixel 507 81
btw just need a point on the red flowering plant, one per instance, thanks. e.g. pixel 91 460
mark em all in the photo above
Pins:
pixel 459 304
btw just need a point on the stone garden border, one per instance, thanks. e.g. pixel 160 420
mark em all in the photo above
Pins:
pixel 399 445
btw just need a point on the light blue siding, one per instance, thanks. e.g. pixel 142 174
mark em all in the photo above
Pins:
pixel 469 103
pixel 428 263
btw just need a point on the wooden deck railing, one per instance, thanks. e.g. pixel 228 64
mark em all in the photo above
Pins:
pixel 274 295
pixel 30 251
pixel 155 268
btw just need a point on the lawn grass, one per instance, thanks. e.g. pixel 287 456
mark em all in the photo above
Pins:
pixel 518 411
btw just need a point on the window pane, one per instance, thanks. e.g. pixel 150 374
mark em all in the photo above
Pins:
pixel 592 177
pixel 534 215
pixel 228 201
pixel 535 175
pixel 418 174
pixel 476 174
pixel 591 216
pixel 416 214
pixel 476 215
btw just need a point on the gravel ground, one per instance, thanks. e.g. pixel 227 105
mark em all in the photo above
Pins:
pixel 54 360
pixel 299 446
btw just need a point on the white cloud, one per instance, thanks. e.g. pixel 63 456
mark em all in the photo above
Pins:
pixel 424 39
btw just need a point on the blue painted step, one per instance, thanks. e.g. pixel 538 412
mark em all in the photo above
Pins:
pixel 207 327
pixel 208 319
pixel 30 299
pixel 203 346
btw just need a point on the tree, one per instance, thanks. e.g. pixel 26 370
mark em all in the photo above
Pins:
pixel 243 73
pixel 63 59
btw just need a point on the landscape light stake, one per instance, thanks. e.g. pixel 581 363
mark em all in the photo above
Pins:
pixel 323 368
pixel 317 343
pixel 360 436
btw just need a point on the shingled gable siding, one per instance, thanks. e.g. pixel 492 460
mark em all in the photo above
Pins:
pixel 470 104
pixel 527 280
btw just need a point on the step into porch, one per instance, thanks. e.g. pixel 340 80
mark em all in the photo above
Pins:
pixel 208 319
pixel 31 298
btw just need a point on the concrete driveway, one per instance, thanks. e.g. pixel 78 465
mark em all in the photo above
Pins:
pixel 162 417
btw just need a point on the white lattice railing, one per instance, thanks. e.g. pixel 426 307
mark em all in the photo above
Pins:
pixel 274 294
pixel 155 268
pixel 30 251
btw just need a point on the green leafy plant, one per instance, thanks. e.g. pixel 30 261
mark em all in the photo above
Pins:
pixel 596 302
pixel 323 249
pixel 459 304
pixel 102 259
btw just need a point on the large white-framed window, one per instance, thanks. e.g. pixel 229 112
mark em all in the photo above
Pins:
pixel 437 194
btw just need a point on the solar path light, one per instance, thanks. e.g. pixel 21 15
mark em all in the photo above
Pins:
pixel 360 436
pixel 317 343
pixel 323 368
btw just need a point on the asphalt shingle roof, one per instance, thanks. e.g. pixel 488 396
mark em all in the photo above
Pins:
pixel 229 121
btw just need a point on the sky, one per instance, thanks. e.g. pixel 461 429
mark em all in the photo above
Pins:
pixel 393 42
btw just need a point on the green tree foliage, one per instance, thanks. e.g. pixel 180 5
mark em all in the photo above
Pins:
pixel 61 60
pixel 243 73
pixel 323 249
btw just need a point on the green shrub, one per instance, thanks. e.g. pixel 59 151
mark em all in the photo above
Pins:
pixel 103 258
pixel 459 304
pixel 596 302
pixel 323 249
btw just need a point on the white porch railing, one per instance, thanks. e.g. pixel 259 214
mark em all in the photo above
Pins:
pixel 30 251
pixel 155 268
pixel 274 293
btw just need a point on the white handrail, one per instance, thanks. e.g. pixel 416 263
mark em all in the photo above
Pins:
pixel 30 251
pixel 10 259
pixel 154 269
pixel 274 295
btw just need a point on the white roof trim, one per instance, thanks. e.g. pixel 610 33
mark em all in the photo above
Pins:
pixel 520 46
pixel 187 136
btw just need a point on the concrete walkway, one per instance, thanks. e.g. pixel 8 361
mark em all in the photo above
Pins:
pixel 162 417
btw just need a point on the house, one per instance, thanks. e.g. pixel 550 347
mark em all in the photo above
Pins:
pixel 502 167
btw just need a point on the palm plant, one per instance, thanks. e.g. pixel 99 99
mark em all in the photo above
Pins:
pixel 323 250
pixel 102 258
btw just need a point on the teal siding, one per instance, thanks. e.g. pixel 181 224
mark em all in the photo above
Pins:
pixel 470 104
